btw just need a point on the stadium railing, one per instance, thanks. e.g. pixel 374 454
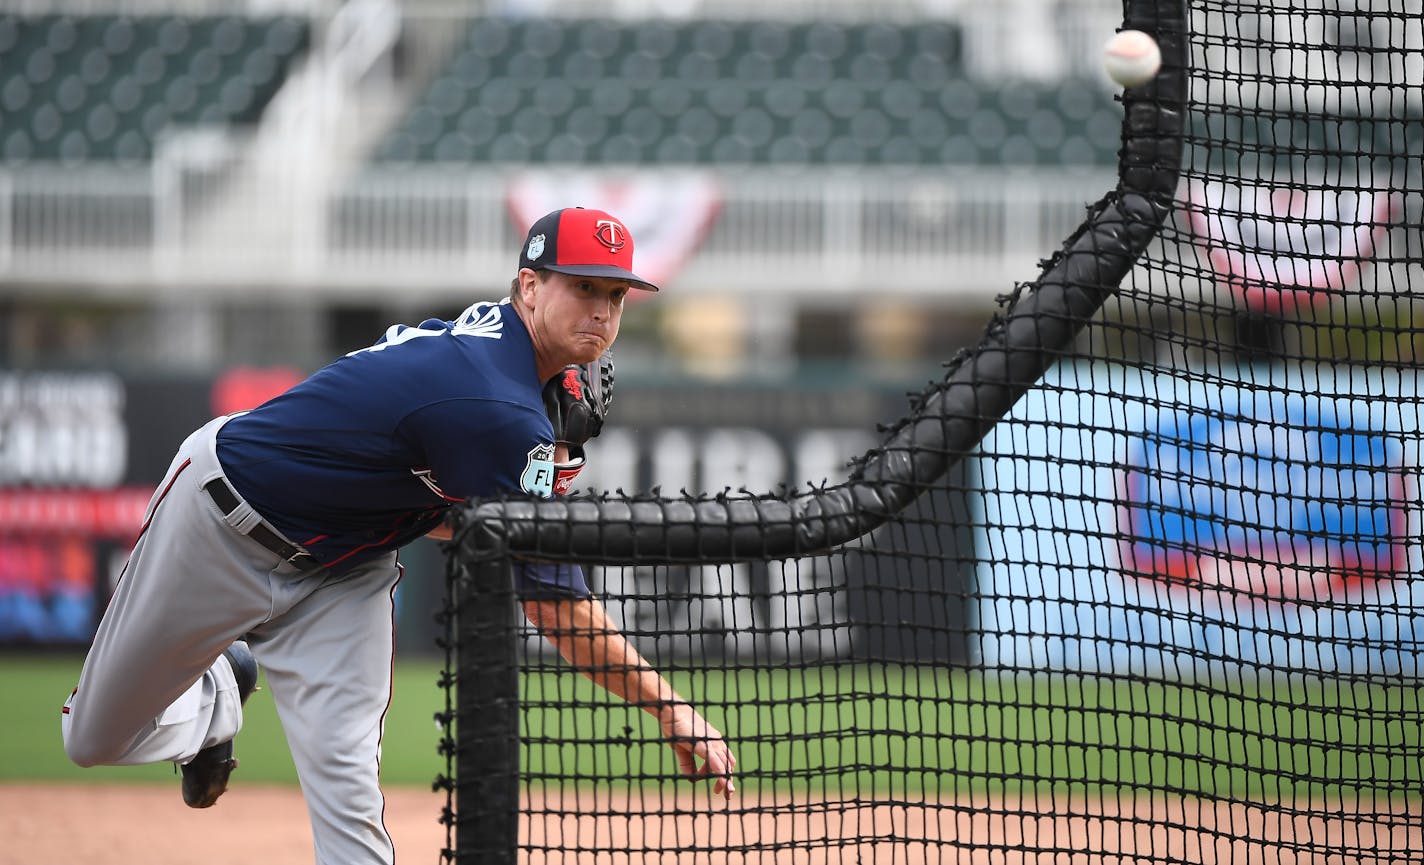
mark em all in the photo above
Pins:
pixel 431 228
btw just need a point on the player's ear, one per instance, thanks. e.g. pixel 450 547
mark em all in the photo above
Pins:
pixel 527 285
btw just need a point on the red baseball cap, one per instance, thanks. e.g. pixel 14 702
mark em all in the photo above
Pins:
pixel 581 242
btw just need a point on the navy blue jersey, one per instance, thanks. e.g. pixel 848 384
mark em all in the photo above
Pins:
pixel 368 453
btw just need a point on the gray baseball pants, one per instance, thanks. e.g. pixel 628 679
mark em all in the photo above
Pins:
pixel 155 686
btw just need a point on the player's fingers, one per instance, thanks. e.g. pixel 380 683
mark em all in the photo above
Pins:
pixel 686 761
pixel 719 765
pixel 716 757
pixel 724 786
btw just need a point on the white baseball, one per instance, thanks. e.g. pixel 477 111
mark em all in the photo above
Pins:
pixel 1132 58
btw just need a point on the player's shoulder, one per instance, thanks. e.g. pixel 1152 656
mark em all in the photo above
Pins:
pixel 484 320
pixel 489 321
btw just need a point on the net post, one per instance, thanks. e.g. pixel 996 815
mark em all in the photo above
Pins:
pixel 486 781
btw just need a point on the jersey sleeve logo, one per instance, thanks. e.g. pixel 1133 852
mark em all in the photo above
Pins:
pixel 538 476
pixel 483 319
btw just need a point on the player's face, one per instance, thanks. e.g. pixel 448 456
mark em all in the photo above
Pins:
pixel 574 319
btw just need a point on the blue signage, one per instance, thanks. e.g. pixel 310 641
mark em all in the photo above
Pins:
pixel 1272 489
pixel 1136 521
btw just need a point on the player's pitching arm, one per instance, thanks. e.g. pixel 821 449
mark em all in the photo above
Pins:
pixel 582 632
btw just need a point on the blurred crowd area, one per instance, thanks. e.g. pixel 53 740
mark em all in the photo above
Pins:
pixel 820 184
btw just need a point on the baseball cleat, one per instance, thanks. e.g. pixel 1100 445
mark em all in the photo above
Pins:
pixel 205 776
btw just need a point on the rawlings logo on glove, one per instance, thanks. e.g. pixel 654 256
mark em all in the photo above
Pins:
pixel 572 386
pixel 577 402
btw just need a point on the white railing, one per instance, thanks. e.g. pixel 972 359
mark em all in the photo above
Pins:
pixel 435 231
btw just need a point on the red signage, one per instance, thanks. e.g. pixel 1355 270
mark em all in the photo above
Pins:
pixel 1285 247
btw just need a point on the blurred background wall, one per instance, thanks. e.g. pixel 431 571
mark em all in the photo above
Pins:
pixel 823 184
pixel 201 202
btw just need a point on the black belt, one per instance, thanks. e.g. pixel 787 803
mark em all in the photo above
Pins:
pixel 227 501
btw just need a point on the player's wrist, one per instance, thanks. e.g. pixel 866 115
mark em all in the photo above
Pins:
pixel 567 469
pixel 668 709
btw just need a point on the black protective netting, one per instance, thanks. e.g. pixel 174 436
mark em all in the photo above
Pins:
pixel 1167 610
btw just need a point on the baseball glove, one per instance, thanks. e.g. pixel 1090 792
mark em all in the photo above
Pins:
pixel 576 402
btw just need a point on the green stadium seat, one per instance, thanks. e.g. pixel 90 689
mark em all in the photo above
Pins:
pixel 103 86
pixel 600 39
pixel 661 39
pixel 828 39
pixel 728 100
pixel 285 37
pixel 587 125
pixel 790 150
pixel 117 37
pixel 9 35
pixel 101 125
pixel 61 35
pixel 814 127
pixel 671 148
pixel 960 99
pixel 556 99
pixel 228 36
pixel 700 126
pixel 715 39
pixel 813 70
pixel 670 98
pixel 928 129
pixel 131 146
pixel 580 67
pixel 543 38
pixel 533 126
pixel 716 91
pixel 611 97
pixel 489 37
pixel 755 67
pixel 697 68
pixel 900 150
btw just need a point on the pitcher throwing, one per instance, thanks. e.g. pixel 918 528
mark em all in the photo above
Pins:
pixel 273 540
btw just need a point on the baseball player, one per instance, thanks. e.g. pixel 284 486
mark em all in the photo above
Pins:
pixel 273 540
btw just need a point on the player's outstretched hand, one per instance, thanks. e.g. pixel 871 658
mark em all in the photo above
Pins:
pixel 693 739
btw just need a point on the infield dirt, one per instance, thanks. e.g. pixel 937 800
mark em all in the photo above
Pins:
pixel 60 824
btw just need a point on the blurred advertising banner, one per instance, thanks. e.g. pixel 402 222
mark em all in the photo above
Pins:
pixel 1282 248
pixel 668 212
pixel 898 593
pixel 80 455
pixel 1147 523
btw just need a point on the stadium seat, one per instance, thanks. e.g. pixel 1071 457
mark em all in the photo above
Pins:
pixel 737 92
pixel 106 87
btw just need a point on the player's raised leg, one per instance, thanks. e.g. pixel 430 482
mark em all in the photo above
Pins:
pixel 328 665
pixel 153 687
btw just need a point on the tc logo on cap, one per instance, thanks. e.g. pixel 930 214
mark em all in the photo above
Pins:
pixel 611 234
pixel 580 242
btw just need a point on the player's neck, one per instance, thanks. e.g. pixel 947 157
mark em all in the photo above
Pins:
pixel 545 366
